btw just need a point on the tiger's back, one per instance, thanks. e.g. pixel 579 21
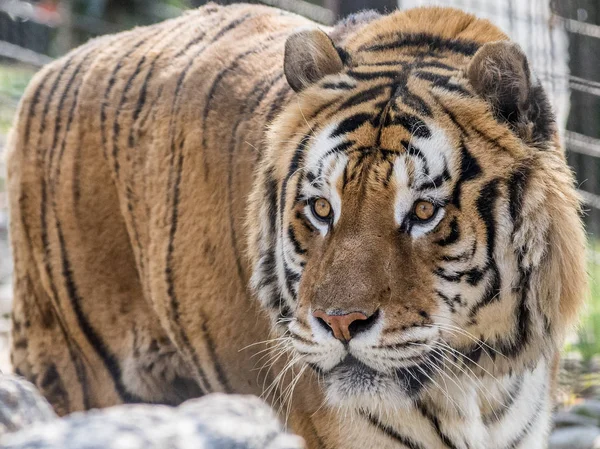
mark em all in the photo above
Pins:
pixel 115 145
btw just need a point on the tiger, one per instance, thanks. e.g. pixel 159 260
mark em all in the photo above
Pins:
pixel 372 226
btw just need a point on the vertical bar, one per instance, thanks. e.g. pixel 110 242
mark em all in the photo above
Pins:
pixel 347 7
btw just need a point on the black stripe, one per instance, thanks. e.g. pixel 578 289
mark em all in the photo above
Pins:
pixel 452 237
pixel 210 344
pixel 141 101
pixel 70 118
pixel 442 81
pixel 516 442
pixel 342 85
pixel 469 169
pixel 510 397
pixel 450 277
pixel 294 166
pixel 111 83
pixel 109 360
pixel 302 339
pixel 432 44
pixel 435 182
pixel 174 302
pixel 413 124
pixel 414 151
pixel 291 280
pixel 437 427
pixel 474 276
pixel 512 345
pixel 517 183
pixel 34 102
pixel 363 97
pixel 61 103
pixel 412 100
pixel 292 236
pixel 492 140
pixel 486 204
pixel 351 124
pixel 49 98
pixel 305 222
pixel 391 433
pixel 73 348
pixel 339 148
pixel 278 102
pixel 271 194
pixel 116 125
pixel 320 443
pixel 435 64
pixel 369 76
pixel 231 26
pixel 450 302
pixel 392 63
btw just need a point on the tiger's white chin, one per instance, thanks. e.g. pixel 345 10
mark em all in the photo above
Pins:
pixel 355 386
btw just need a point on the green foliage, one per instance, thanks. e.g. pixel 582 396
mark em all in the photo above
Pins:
pixel 587 343
pixel 13 81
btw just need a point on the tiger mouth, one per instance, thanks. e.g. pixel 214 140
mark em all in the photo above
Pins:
pixel 358 377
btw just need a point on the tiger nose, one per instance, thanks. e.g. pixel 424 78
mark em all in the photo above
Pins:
pixel 340 324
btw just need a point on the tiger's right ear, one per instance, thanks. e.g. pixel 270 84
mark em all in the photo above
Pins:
pixel 309 56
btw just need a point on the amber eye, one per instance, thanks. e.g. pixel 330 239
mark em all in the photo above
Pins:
pixel 321 209
pixel 424 210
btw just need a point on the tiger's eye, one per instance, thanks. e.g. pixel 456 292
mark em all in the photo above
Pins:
pixel 322 208
pixel 424 210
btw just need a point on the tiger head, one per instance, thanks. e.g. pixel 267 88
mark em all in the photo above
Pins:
pixel 414 210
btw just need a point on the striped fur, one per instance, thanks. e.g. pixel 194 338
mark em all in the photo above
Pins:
pixel 161 179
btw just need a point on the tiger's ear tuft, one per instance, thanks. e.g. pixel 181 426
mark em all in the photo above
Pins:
pixel 309 56
pixel 499 73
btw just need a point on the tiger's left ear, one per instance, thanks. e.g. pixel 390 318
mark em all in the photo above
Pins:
pixel 309 56
pixel 499 73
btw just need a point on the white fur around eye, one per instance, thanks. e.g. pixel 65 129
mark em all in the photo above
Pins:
pixel 419 229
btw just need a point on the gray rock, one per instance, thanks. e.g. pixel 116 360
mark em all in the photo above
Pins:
pixel 21 405
pixel 216 421
pixel 575 438
pixel 589 408
pixel 567 419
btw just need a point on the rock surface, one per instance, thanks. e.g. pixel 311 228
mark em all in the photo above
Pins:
pixel 570 419
pixel 216 421
pixel 577 428
pixel 575 438
pixel 21 405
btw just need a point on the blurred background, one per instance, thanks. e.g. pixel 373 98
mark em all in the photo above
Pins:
pixel 560 37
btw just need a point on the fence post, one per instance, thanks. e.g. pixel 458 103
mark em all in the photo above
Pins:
pixel 64 39
pixel 341 8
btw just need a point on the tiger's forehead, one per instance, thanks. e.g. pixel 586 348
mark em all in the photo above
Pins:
pixel 383 105
pixel 420 155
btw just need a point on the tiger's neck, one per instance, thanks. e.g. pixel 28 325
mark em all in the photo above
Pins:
pixel 458 413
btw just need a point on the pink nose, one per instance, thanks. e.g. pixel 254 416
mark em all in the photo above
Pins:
pixel 340 324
